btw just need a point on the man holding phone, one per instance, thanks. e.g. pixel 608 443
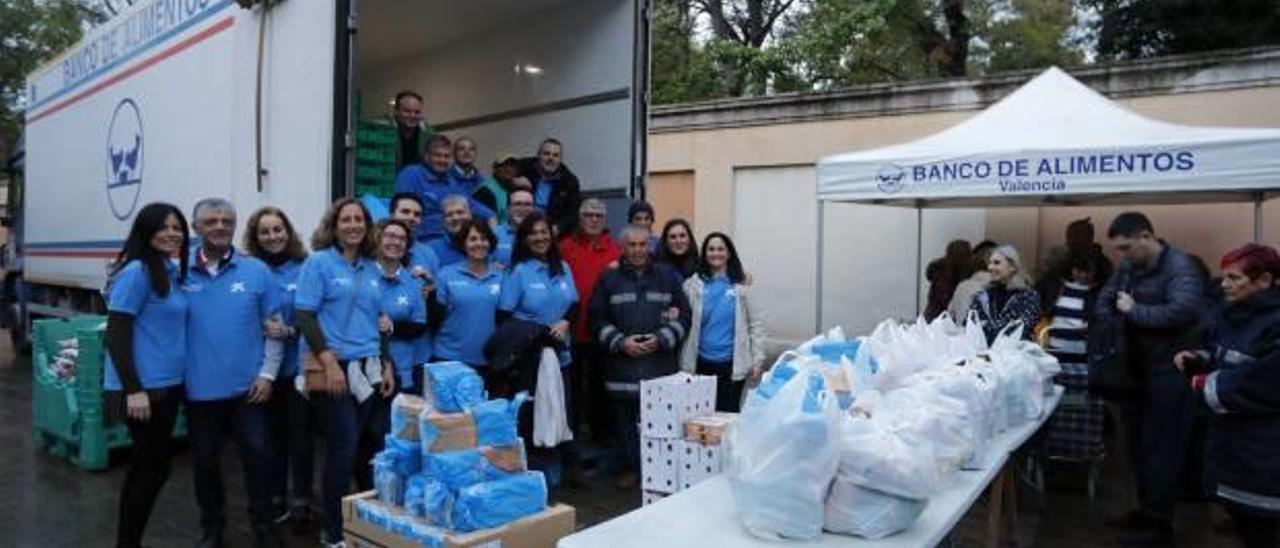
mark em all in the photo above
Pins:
pixel 640 315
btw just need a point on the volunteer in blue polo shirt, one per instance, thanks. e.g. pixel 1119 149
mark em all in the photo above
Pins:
pixel 432 182
pixel 270 237
pixel 457 211
pixel 228 379
pixel 404 312
pixel 519 206
pixel 146 356
pixel 406 207
pixel 338 303
pixel 539 287
pixel 467 297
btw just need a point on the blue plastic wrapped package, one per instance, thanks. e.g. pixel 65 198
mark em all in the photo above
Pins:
pixel 458 469
pixel 414 495
pixel 499 502
pixel 441 432
pixel 495 420
pixel 403 456
pixel 362 509
pixel 389 484
pixel 425 535
pixel 405 410
pixel 832 351
pixel 437 503
pixel 452 387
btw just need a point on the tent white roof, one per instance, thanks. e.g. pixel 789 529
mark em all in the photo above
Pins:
pixel 1056 140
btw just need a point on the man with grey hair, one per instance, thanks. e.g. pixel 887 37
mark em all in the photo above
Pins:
pixel 231 365
pixel 456 210
pixel 589 250
pixel 639 315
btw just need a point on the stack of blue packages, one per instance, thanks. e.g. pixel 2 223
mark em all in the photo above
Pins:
pixel 498 502
pixel 452 387
pixel 496 420
pixel 392 467
pixel 458 469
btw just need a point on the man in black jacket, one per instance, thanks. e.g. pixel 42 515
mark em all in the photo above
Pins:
pixel 1158 294
pixel 555 188
pixel 640 315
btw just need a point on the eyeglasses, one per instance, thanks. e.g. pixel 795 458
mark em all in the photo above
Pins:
pixel 593 215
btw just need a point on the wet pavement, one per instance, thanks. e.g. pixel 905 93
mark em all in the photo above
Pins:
pixel 46 501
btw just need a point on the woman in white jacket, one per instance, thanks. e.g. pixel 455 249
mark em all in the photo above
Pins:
pixel 726 336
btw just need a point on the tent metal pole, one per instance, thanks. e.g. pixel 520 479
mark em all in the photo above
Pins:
pixel 817 289
pixel 919 251
pixel 1257 217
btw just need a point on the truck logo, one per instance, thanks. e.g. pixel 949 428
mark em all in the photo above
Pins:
pixel 124 159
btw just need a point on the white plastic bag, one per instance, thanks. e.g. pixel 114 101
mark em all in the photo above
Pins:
pixel 859 511
pixel 875 454
pixel 784 452
pixel 550 423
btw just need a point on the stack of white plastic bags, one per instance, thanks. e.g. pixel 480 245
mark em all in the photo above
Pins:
pixel 855 436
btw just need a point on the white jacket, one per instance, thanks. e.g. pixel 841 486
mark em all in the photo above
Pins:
pixel 748 330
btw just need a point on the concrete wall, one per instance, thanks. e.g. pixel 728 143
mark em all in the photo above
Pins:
pixel 751 166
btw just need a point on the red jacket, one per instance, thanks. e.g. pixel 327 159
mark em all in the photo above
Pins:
pixel 587 258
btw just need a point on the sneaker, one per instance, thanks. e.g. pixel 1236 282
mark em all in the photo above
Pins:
pixel 1149 535
pixel 339 544
pixel 1129 520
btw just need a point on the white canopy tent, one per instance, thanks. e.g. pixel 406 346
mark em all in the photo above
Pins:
pixel 1055 141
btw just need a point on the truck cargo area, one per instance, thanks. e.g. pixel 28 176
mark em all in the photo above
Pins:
pixel 512 72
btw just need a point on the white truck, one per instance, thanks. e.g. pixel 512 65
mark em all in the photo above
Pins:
pixel 175 100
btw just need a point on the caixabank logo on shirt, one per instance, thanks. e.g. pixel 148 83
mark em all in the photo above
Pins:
pixel 125 158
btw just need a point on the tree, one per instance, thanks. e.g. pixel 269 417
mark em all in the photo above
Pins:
pixel 1134 29
pixel 740 29
pixel 1032 34
pixel 31 32
pixel 682 71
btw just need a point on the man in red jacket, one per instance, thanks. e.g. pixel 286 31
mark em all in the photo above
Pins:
pixel 590 251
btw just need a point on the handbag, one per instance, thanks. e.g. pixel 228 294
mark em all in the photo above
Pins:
pixel 314 376
pixel 1110 374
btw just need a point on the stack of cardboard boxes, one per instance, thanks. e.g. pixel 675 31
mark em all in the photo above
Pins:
pixel 681 440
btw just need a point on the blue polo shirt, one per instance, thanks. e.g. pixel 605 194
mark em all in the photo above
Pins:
pixel 433 188
pixel 422 255
pixel 402 301
pixel 286 278
pixel 159 349
pixel 224 325
pixel 470 303
pixel 446 253
pixel 542 192
pixel 506 245
pixel 531 293
pixel 719 299
pixel 346 299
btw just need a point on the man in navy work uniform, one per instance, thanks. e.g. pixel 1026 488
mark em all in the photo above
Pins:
pixel 431 181
pixel 230 368
pixel 640 315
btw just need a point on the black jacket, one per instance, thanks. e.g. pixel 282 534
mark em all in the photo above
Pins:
pixel 1242 449
pixel 1169 300
pixel 563 207
pixel 626 302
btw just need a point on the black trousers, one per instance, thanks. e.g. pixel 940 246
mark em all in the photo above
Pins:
pixel 590 404
pixel 728 391
pixel 1257 529
pixel 291 443
pixel 211 423
pixel 372 438
pixel 1159 426
pixel 149 466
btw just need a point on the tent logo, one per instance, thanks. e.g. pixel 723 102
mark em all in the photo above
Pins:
pixel 124 159
pixel 889 178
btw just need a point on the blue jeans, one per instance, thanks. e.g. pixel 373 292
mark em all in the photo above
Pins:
pixel 341 419
pixel 210 423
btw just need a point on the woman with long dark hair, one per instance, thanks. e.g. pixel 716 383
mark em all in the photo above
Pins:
pixel 270 237
pixel 945 274
pixel 146 351
pixel 726 335
pixel 338 302
pixel 678 250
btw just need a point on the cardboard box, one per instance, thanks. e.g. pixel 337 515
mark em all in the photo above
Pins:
pixel 710 429
pixel 650 497
pixel 405 411
pixel 659 465
pixel 699 462
pixel 453 431
pixel 666 403
pixel 541 530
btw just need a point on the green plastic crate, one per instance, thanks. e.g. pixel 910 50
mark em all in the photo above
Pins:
pixel 376 155
pixel 376 136
pixel 69 418
pixel 378 188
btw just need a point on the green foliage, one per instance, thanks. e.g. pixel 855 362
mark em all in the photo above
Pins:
pixel 1035 34
pixel 32 32
pixel 682 73
pixel 1133 29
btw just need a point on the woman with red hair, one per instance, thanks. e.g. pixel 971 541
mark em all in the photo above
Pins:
pixel 1237 373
